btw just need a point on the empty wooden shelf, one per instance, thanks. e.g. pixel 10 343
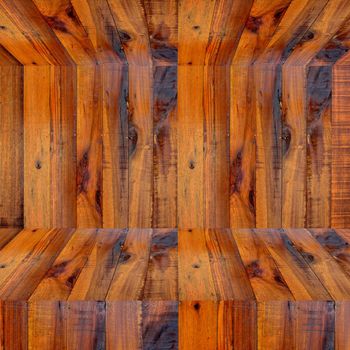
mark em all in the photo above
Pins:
pixel 164 289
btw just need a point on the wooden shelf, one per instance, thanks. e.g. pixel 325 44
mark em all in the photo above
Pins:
pixel 164 288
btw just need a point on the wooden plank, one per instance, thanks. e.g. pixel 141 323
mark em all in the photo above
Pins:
pixel 15 327
pixel 195 277
pixel 190 144
pixel 86 325
pixel 342 318
pixel 318 142
pixel 237 325
pixel 160 325
pixel 61 277
pixel 7 234
pixel 294 146
pixel 216 147
pixel 133 261
pixel 326 268
pixel 123 325
pixel 229 276
pixel 337 245
pixel 266 279
pixel 162 274
pixel 301 280
pixel 268 145
pixel 131 22
pixel 195 19
pixel 140 146
pixel 229 19
pixel 11 143
pixel 47 325
pixel 340 188
pixel 23 281
pixel 95 277
pixel 28 19
pixel 162 22
pixel 37 121
pixel 165 146
pixel 62 19
pixel 63 148
pixel 89 146
pixel 198 325
pixel 98 23
pixel 23 244
pixel 242 147
pixel 115 146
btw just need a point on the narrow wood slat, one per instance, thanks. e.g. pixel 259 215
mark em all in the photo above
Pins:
pixel 165 146
pixel 115 146
pixel 61 277
pixel 194 30
pixel 123 325
pixel 140 146
pixel 89 146
pixel 162 274
pixel 318 142
pixel 11 143
pixel 132 262
pixel 162 23
pixel 195 277
pixel 340 193
pixel 190 143
pixel 7 235
pixel 95 277
pixel 86 328
pixel 216 147
pixel 132 24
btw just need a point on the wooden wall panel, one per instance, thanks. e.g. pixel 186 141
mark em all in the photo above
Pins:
pixel 11 144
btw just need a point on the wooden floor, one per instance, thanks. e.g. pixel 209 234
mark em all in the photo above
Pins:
pixel 169 289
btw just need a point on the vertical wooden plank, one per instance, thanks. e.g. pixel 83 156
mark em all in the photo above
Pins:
pixel 342 319
pixel 216 147
pixel 140 146
pixel 195 18
pixel 37 196
pixel 11 145
pixel 294 146
pixel 123 325
pixel 162 274
pixel 162 22
pixel 318 142
pixel 190 146
pixel 131 22
pixel 268 145
pixel 89 146
pixel 115 146
pixel 340 189
pixel 160 325
pixel 86 325
pixel 63 146
pixel 165 146
pixel 198 325
pixel 15 319
pixel 47 325
pixel 237 325
pixel 242 147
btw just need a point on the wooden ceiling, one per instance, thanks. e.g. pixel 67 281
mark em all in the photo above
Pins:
pixel 185 32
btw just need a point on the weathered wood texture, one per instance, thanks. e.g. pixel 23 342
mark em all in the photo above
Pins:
pixel 174 113
pixel 164 289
